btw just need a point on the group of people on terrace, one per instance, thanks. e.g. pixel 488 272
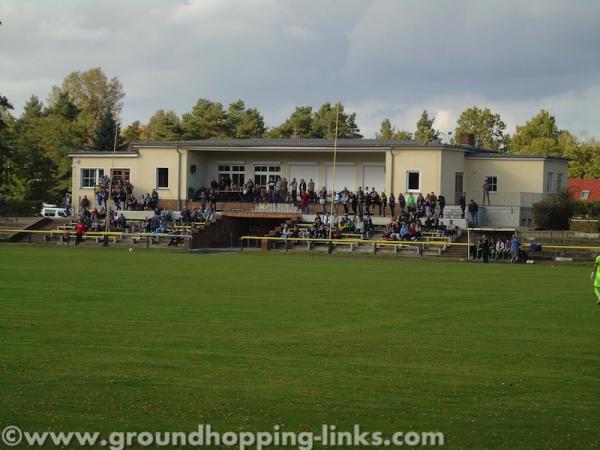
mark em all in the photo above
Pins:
pixel 303 193
pixel 120 192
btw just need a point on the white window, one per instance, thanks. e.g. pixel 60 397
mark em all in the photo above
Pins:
pixel 584 195
pixel 235 173
pixel 551 187
pixel 262 174
pixel 413 181
pixel 493 182
pixel 162 177
pixel 91 177
pixel 559 181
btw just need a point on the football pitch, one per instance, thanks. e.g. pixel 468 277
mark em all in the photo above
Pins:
pixel 494 356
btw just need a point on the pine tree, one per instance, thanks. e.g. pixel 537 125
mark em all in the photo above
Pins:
pixel 103 139
pixel 425 132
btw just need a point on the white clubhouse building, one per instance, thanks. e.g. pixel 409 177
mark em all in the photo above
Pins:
pixel 174 169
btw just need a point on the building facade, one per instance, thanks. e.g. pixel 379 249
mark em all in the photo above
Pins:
pixel 176 169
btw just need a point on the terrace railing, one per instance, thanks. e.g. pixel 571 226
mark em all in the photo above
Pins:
pixel 509 199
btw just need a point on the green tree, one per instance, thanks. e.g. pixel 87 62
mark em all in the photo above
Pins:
pixel 324 123
pixel 63 106
pixel 164 126
pixel 5 116
pixel 33 109
pixel 244 123
pixel 539 136
pixel 585 159
pixel 206 120
pixel 91 91
pixel 61 136
pixel 425 132
pixel 298 125
pixel 35 169
pixel 387 131
pixel 135 131
pixel 488 128
pixel 104 136
pixel 8 175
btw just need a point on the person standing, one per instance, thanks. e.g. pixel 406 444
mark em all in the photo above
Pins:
pixel 486 191
pixel 212 197
pixel 442 204
pixel 384 202
pixel 515 249
pixel 311 190
pixel 473 211
pixel 67 204
pixel 392 202
pixel 596 279
pixel 360 199
pixel 271 190
pixel 401 202
pixel 462 201
pixel 84 203
pixel 79 230
pixel 294 189
pixel 302 185
pixel 345 199
pixel 304 201
pixel 323 200
pixel 484 246
pixel 283 190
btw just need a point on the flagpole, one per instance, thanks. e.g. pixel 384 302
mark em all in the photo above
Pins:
pixel 337 121
pixel 110 181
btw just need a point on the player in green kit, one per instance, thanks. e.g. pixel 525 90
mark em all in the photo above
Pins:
pixel 596 278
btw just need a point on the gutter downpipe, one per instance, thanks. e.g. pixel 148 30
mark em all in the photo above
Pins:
pixel 178 178
pixel 391 171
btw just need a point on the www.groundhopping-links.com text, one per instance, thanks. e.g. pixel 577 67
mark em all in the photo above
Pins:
pixel 205 436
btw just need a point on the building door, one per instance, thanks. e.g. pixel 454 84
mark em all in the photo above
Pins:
pixel 458 186
pixel 119 174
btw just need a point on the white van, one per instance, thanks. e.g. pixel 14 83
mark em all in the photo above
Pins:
pixel 53 212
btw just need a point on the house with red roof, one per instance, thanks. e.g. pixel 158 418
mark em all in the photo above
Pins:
pixel 587 189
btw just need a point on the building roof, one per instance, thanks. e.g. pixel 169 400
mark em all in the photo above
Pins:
pixel 292 142
pixel 349 145
pixel 584 188
pixel 490 154
pixel 295 144
pixel 119 154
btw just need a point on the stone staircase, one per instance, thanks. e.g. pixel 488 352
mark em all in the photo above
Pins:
pixel 28 223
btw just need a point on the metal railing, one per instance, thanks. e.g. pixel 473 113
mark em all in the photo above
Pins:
pixel 508 199
pixel 282 208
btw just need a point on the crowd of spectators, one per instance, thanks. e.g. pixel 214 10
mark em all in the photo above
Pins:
pixel 322 226
pixel 303 193
pixel 120 192
pixel 416 215
pixel 502 248
pixel 105 215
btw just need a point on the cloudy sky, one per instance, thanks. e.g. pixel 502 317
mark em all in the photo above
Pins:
pixel 381 58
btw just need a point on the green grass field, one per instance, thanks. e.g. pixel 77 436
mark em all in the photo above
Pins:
pixel 497 356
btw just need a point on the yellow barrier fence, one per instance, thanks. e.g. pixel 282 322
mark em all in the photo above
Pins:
pixel 402 243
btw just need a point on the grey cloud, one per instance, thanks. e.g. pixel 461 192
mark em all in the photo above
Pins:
pixel 382 57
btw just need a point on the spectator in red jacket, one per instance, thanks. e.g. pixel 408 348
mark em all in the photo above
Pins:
pixel 79 230
pixel 304 198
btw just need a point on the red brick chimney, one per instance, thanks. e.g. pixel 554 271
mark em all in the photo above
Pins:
pixel 467 139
